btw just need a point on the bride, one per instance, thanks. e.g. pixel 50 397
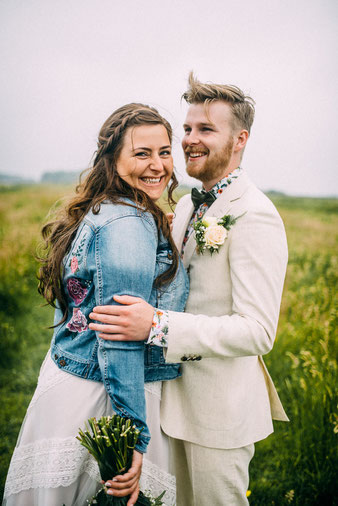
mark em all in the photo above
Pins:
pixel 111 239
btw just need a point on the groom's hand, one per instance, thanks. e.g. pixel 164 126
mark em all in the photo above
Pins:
pixel 130 321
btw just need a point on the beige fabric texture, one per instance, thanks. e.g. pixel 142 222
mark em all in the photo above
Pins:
pixel 206 476
pixel 227 399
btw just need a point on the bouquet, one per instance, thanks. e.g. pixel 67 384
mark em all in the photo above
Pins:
pixel 111 440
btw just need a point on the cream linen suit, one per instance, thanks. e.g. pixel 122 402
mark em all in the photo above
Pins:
pixel 225 398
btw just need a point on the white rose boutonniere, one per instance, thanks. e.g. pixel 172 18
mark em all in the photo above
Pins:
pixel 211 232
pixel 215 235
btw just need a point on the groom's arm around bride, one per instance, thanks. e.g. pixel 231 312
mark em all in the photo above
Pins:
pixel 225 400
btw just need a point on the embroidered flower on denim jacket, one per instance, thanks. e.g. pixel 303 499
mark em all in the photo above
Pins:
pixel 76 290
pixel 78 322
pixel 74 265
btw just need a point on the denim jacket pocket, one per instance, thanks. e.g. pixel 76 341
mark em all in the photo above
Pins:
pixel 164 259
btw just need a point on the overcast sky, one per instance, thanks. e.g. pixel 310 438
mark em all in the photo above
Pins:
pixel 67 64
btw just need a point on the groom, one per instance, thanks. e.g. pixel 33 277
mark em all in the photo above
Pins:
pixel 225 400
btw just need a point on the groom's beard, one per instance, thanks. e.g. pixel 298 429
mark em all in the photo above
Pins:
pixel 214 166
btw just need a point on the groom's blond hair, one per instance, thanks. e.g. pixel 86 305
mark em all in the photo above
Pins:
pixel 242 106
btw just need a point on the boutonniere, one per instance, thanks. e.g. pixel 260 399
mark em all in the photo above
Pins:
pixel 211 232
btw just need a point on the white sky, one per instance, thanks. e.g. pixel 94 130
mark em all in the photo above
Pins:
pixel 67 64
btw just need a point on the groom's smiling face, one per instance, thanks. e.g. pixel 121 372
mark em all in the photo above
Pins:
pixel 208 141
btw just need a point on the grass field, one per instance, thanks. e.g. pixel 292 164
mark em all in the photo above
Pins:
pixel 294 466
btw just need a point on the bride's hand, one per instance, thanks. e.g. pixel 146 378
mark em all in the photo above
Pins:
pixel 127 484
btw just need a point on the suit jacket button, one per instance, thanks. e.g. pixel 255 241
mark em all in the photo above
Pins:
pixel 199 357
pixel 62 363
pixel 56 356
pixel 184 358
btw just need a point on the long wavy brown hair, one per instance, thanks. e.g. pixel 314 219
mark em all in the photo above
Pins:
pixel 102 183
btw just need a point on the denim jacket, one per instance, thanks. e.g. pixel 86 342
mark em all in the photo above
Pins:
pixel 117 251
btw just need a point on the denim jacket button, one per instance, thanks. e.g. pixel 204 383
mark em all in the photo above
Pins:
pixel 62 363
pixel 170 256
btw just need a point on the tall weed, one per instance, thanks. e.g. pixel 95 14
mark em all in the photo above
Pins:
pixel 298 465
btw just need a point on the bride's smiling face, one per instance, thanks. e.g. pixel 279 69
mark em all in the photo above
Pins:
pixel 145 161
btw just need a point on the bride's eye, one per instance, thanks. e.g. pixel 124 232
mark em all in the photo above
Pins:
pixel 165 152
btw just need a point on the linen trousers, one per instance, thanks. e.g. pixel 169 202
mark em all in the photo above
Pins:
pixel 210 476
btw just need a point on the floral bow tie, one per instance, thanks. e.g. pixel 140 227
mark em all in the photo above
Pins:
pixel 199 197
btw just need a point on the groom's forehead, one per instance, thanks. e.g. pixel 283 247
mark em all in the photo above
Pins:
pixel 216 112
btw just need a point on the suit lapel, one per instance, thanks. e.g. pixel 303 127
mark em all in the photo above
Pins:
pixel 189 249
pixel 181 222
pixel 219 208
pixel 230 195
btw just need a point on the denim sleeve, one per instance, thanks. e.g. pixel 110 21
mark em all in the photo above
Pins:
pixel 125 254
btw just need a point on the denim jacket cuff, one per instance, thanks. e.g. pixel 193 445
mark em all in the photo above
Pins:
pixel 142 444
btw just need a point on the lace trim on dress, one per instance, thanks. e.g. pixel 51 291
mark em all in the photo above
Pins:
pixel 49 463
pixel 154 480
pixel 52 463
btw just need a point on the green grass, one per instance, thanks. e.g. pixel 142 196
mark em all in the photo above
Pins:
pixel 295 465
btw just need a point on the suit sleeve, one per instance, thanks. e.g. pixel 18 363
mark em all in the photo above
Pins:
pixel 125 253
pixel 257 259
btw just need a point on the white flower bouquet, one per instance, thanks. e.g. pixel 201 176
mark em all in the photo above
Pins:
pixel 111 441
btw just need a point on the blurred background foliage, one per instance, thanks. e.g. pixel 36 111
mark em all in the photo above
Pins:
pixel 297 464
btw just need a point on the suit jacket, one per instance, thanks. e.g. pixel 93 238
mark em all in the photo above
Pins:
pixel 225 397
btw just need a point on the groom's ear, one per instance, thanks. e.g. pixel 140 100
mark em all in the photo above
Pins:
pixel 240 140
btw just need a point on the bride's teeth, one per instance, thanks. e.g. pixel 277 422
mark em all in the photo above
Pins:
pixel 151 180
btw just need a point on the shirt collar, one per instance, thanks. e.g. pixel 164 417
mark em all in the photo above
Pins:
pixel 218 188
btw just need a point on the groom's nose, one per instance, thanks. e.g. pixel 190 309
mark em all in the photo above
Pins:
pixel 191 139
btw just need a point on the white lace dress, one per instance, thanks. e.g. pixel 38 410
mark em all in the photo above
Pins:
pixel 49 467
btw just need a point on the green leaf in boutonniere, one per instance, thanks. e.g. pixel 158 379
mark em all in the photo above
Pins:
pixel 211 232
